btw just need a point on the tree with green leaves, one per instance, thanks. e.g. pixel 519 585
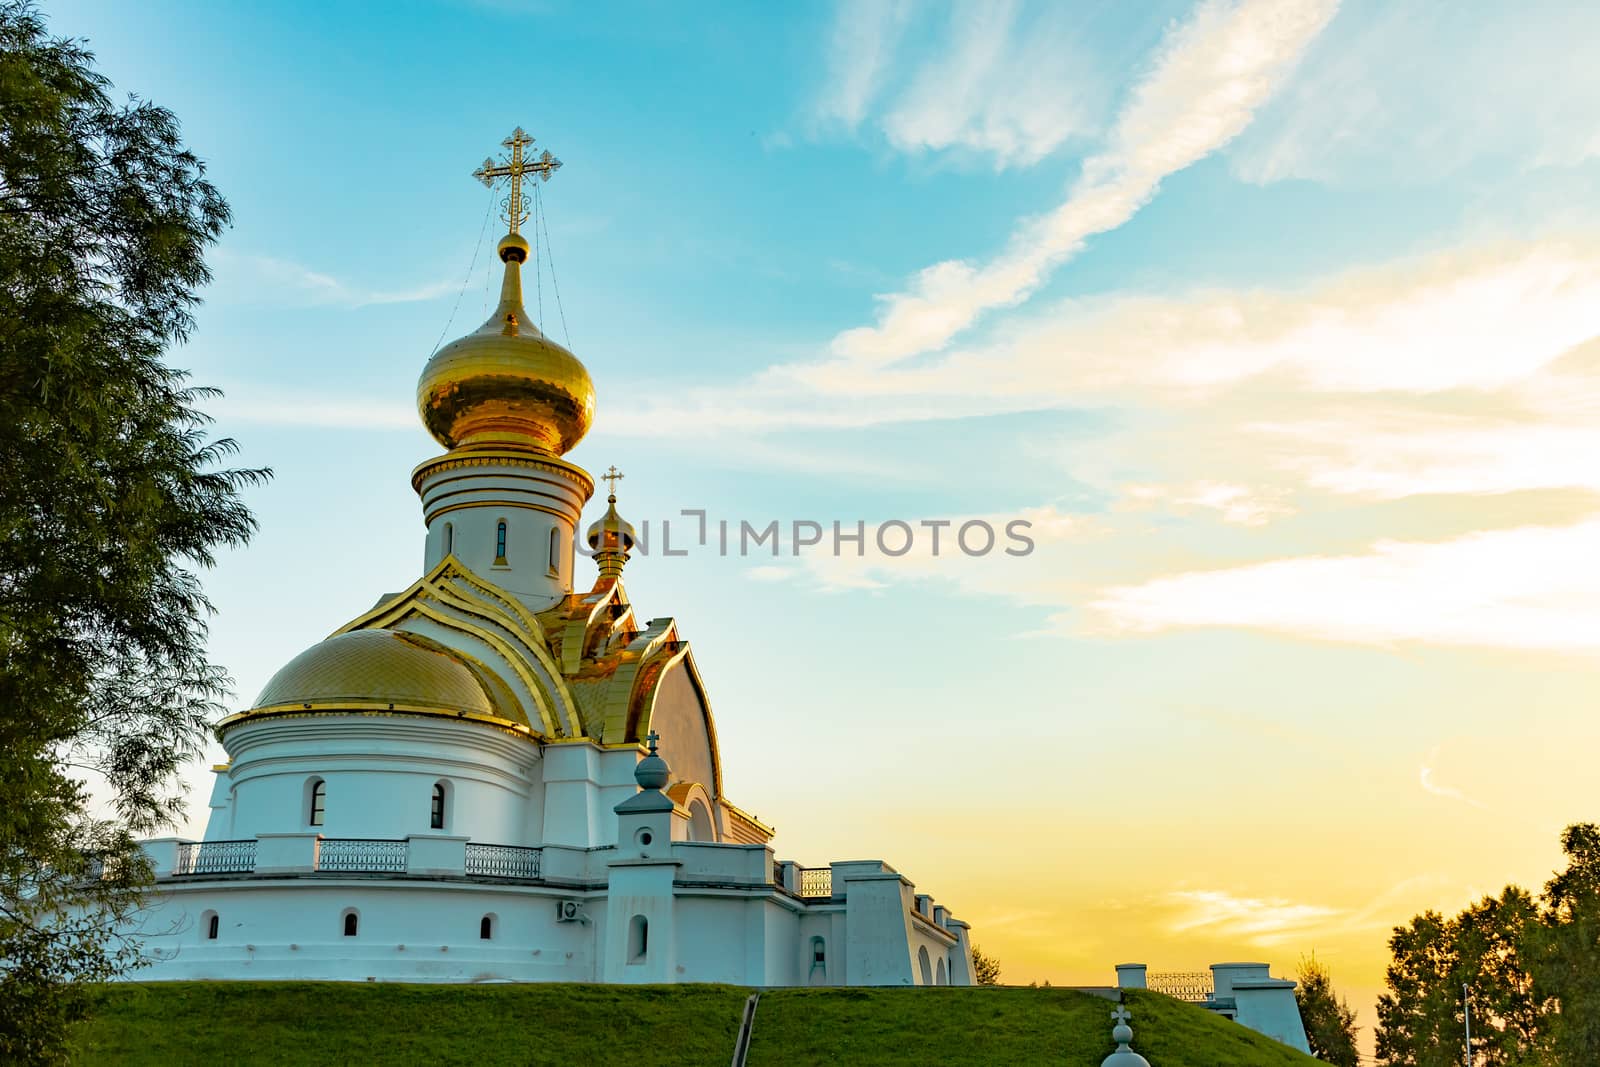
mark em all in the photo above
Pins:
pixel 1563 950
pixel 985 969
pixel 1421 1019
pixel 1329 1020
pixel 112 496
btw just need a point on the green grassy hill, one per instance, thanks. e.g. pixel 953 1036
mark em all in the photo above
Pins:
pixel 292 1023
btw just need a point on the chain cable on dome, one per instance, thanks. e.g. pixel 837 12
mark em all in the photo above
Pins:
pixel 538 278
pixel 468 279
pixel 542 221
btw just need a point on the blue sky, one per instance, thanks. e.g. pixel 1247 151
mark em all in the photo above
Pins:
pixel 1276 317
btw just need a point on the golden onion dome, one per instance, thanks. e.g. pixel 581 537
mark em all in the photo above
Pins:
pixel 611 532
pixel 383 667
pixel 506 384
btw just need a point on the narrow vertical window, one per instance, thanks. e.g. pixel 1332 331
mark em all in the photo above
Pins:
pixel 555 551
pixel 436 816
pixel 319 802
pixel 638 939
pixel 500 542
pixel 212 926
pixel 486 928
pixel 449 538
pixel 351 920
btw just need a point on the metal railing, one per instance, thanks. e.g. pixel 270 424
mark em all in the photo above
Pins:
pixel 216 857
pixel 503 861
pixel 816 883
pixel 362 854
pixel 1193 986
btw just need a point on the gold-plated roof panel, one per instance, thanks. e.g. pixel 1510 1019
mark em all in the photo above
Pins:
pixel 365 666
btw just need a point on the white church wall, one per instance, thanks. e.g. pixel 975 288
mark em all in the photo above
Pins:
pixel 828 928
pixel 530 501
pixel 747 864
pixel 404 932
pixel 379 774
pixel 878 944
pixel 1263 1003
pixel 780 964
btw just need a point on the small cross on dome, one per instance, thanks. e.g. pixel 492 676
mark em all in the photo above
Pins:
pixel 652 737
pixel 1121 1015
pixel 612 477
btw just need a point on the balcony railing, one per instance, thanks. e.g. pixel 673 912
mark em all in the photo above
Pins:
pixel 362 855
pixel 1193 986
pixel 216 857
pixel 816 883
pixel 502 861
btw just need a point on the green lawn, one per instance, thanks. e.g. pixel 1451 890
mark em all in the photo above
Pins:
pixel 176 1023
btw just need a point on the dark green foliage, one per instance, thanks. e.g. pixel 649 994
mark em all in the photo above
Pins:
pixel 1533 970
pixel 1420 1019
pixel 291 1023
pixel 985 969
pixel 110 497
pixel 1564 951
pixel 1329 1020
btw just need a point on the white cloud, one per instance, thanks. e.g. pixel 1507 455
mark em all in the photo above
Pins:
pixel 1210 76
pixel 255 405
pixel 1389 455
pixel 247 278
pixel 1238 504
pixel 865 33
pixel 1531 587
pixel 1426 781
pixel 1411 91
pixel 1261 921
pixel 1005 85
pixel 1004 81
pixel 1500 318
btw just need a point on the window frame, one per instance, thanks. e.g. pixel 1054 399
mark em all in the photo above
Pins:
pixel 317 809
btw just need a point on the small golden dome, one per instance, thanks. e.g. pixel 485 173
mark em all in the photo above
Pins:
pixel 365 667
pixel 506 384
pixel 611 532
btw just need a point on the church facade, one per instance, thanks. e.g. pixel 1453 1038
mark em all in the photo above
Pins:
pixel 503 772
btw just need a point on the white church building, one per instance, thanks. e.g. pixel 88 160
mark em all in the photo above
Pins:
pixel 503 772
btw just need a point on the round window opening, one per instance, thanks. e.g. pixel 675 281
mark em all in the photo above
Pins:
pixel 644 838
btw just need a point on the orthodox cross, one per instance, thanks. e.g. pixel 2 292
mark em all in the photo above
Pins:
pixel 612 476
pixel 514 167
pixel 652 737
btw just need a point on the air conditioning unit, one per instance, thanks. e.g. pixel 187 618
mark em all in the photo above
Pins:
pixel 570 911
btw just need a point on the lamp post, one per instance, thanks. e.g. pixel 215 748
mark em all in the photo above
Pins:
pixel 1466 1009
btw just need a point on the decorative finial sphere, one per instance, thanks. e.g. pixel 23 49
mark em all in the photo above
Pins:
pixel 513 246
pixel 652 772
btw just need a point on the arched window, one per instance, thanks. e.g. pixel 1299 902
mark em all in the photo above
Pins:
pixel 352 920
pixel 449 538
pixel 436 815
pixel 317 808
pixel 486 928
pixel 819 951
pixel 555 551
pixel 925 965
pixel 938 973
pixel 500 543
pixel 638 938
pixel 700 828
pixel 210 926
